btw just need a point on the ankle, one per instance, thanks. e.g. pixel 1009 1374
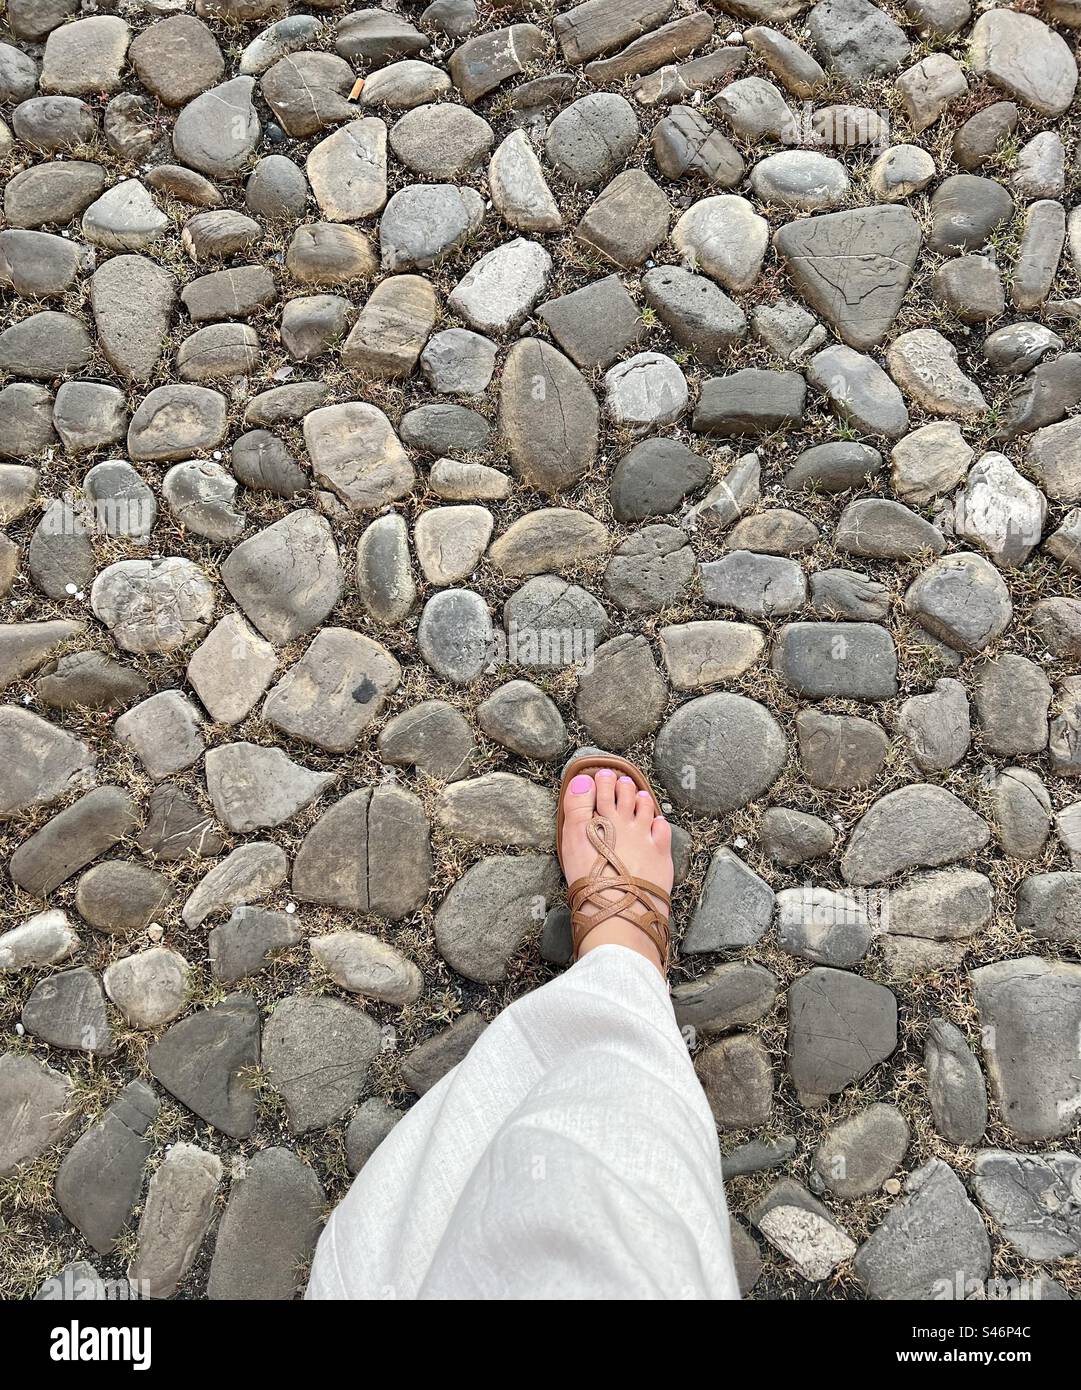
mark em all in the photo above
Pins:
pixel 619 932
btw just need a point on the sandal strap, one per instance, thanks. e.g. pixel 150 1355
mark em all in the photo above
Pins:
pixel 610 873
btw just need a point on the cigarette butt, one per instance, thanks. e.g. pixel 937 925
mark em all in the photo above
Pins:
pixel 358 87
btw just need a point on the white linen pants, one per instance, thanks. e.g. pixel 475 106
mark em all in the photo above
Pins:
pixel 571 1155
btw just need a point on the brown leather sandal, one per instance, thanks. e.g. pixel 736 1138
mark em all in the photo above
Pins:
pixel 609 871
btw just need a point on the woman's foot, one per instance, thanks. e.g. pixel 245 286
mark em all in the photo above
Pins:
pixel 643 842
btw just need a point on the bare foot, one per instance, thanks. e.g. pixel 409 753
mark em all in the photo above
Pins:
pixel 643 841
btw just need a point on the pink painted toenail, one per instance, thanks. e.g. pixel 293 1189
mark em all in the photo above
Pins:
pixel 581 784
pixel 605 772
pixel 627 780
pixel 643 793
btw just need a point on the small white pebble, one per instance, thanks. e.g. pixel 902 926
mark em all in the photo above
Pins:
pixel 70 588
pixel 19 1029
pixel 740 842
pixel 290 907
pixel 734 37
pixel 26 699
pixel 217 453
pixel 80 595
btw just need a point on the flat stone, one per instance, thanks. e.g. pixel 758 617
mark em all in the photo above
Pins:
pixel 176 59
pixel 450 542
pixel 200 494
pixel 317 1053
pixel 355 451
pixel 1029 1010
pixel 697 312
pixel 335 691
pixel 856 40
pixel 589 139
pixel 149 988
pixel 750 402
pixel 1032 1200
pixel 269 1229
pixel 455 635
pixel 120 896
pixel 99 1181
pixel 1022 815
pixel 916 826
pixel 486 61
pixel 73 838
pixel 153 605
pixel 593 325
pixel 277 190
pixel 368 1128
pixel 456 362
pixel 498 809
pixel 502 288
pixel 425 223
pixel 800 179
pixel 936 726
pixel 217 133
pixel 735 908
pixel 230 669
pixel 962 600
pixel 53 193
pixel 44 939
pixel 859 391
pixel 519 189
pixel 325 254
pixel 858 1155
pixel 244 876
pixel 645 391
pixel 348 171
pixel 730 996
pixel 247 942
pixel 688 761
pixel 176 1217
pixel 383 570
pixel 261 461
pixel 736 1076
pixel 519 716
pixel 174 422
pixel 932 1243
pixel 623 663
pixel 430 1060
pixel 839 751
pixel 551 429
pixel 441 141
pixel 955 1085
pixel 840 1026
pixel 36 1109
pixel 362 964
pixel 253 787
pixel 67 1010
pixel 822 926
pixel 1024 57
pixel 44 346
pixel 345 859
pixel 723 237
pixel 855 661
pixel 202 1060
pixel 487 914
pixel 133 300
pixel 853 267
pixel 965 210
pixel 176 828
pixel 164 732
pixel 759 586
pixel 287 578
pixel 85 56
pixel 685 145
pixel 431 736
pixel 308 91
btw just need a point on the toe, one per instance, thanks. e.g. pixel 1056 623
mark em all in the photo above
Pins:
pixel 644 809
pixel 625 795
pixel 579 798
pixel 605 778
pixel 661 833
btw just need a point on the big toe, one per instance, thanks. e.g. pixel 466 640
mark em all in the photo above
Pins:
pixel 580 798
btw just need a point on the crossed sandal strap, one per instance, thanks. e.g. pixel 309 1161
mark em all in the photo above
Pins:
pixel 635 905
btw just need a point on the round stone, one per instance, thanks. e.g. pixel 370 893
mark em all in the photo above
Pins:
pixel 719 752
pixel 153 605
